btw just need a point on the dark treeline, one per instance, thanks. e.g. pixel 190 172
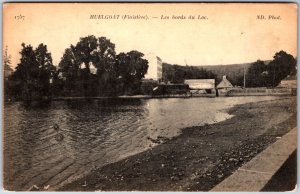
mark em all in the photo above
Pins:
pixel 234 72
pixel 89 68
pixel 177 74
pixel 92 68
pixel 31 78
pixel 260 74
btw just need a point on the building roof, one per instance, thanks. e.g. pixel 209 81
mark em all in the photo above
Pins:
pixel 224 83
pixel 198 84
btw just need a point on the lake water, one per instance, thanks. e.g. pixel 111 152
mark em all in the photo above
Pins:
pixel 91 134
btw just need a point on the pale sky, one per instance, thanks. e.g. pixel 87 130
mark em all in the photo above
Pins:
pixel 230 34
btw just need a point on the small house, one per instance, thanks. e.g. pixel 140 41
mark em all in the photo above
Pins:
pixel 224 86
pixel 289 82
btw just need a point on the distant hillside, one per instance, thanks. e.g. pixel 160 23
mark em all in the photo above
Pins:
pixel 234 72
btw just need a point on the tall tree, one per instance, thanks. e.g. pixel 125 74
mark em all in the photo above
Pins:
pixel 7 74
pixel 105 56
pixel 257 75
pixel 7 59
pixel 113 72
pixel 33 73
pixel 282 65
pixel 89 52
pixel 83 52
pixel 84 49
pixel 26 73
pixel 69 68
pixel 46 69
pixel 104 60
pixel 131 69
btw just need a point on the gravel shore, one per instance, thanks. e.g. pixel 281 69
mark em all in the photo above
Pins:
pixel 199 158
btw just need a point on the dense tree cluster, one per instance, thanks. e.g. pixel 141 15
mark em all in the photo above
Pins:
pixel 90 68
pixel 234 72
pixel 257 74
pixel 177 73
pixel 269 75
pixel 32 77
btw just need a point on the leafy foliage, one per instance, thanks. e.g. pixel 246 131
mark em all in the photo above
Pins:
pixel 257 75
pixel 283 64
pixel 131 69
pixel 177 73
pixel 33 74
pixel 115 74
pixel 262 75
pixel 92 68
pixel 234 72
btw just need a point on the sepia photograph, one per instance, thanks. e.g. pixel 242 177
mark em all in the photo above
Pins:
pixel 149 97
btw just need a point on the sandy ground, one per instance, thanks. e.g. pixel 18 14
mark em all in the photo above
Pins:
pixel 199 158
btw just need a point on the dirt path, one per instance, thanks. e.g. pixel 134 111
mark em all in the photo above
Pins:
pixel 200 157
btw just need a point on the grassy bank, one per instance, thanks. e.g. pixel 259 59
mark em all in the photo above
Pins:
pixel 199 158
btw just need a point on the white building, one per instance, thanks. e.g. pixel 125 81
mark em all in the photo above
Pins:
pixel 200 84
pixel 289 82
pixel 201 87
pixel 154 67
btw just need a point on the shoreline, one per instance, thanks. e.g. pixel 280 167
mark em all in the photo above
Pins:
pixel 170 96
pixel 153 97
pixel 200 157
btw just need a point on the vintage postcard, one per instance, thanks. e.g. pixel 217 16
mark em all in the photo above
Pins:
pixel 149 96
